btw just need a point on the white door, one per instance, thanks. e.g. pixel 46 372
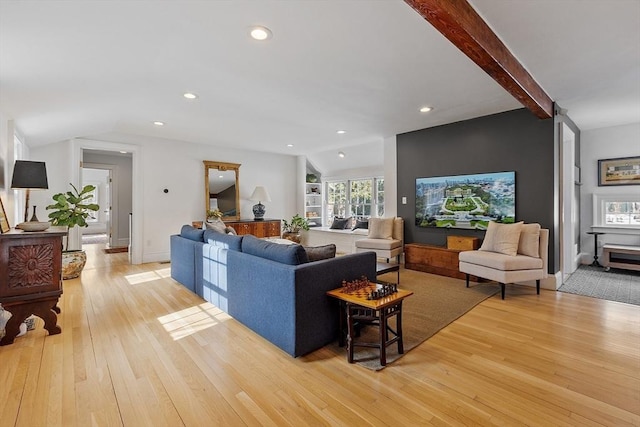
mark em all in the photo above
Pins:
pixel 101 177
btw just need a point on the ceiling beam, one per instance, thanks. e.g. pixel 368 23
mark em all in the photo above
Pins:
pixel 462 25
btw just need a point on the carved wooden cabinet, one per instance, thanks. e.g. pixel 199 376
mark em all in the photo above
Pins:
pixel 31 278
pixel 263 228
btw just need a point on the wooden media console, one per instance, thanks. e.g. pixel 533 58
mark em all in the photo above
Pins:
pixel 433 259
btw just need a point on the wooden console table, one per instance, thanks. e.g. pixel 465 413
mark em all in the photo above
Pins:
pixel 260 229
pixel 31 278
pixel 433 259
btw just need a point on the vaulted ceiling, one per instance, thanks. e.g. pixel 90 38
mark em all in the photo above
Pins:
pixel 111 68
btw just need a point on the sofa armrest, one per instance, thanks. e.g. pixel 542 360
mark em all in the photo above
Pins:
pixel 186 261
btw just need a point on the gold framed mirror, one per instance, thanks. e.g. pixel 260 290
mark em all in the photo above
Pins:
pixel 222 188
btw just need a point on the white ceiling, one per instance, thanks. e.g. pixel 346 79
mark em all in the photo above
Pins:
pixel 110 68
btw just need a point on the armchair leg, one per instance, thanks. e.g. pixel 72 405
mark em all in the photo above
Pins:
pixel 538 286
pixel 467 274
pixel 502 286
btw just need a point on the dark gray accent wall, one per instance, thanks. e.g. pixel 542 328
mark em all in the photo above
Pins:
pixel 511 141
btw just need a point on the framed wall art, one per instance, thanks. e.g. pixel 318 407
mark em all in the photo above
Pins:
pixel 620 171
pixel 4 222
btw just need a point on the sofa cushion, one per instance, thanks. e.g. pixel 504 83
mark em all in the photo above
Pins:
pixel 529 243
pixel 340 223
pixel 381 228
pixel 502 238
pixel 361 223
pixel 229 241
pixel 285 254
pixel 188 232
pixel 317 253
pixel 500 261
pixel 375 244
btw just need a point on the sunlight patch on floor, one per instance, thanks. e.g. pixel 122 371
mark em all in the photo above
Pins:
pixel 193 319
pixel 148 276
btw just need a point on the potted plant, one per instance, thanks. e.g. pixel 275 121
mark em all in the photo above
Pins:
pixel 72 209
pixel 291 230
pixel 214 215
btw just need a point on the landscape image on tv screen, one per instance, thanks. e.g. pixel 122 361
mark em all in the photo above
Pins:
pixel 466 201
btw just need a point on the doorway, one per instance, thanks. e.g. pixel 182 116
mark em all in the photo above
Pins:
pixel 570 224
pixel 99 230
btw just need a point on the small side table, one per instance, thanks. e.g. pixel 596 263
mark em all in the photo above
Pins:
pixel 358 309
pixel 595 235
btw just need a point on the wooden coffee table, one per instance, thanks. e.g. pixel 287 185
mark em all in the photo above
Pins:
pixel 357 308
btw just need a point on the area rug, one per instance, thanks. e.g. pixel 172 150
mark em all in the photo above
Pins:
pixel 437 301
pixel 613 285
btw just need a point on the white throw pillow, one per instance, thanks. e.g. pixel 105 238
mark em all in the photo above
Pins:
pixel 529 244
pixel 502 238
pixel 381 228
pixel 216 225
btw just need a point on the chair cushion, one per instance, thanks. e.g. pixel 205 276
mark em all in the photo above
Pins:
pixel 500 261
pixel 285 254
pixel 384 244
pixel 381 228
pixel 502 238
pixel 529 243
pixel 195 234
pixel 317 253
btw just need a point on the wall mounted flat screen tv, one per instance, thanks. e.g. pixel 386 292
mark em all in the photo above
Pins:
pixel 466 201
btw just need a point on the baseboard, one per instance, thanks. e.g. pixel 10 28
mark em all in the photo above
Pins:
pixel 155 257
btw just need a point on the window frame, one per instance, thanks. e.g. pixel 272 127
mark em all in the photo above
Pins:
pixel 376 204
pixel 599 213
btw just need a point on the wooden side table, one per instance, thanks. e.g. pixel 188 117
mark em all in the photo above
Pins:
pixel 378 312
pixel 31 278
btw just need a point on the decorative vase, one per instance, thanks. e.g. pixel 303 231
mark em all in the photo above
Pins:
pixel 72 263
pixel 294 237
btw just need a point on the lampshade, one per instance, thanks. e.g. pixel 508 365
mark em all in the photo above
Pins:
pixel 27 174
pixel 260 195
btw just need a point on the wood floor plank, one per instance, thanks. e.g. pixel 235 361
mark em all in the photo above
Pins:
pixel 138 349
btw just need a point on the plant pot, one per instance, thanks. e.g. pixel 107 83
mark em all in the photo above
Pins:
pixel 72 263
pixel 294 237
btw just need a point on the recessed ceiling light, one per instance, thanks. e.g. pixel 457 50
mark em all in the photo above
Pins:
pixel 260 33
pixel 289 145
pixel 123 152
pixel 158 123
pixel 341 132
pixel 341 154
pixel 190 95
pixel 426 109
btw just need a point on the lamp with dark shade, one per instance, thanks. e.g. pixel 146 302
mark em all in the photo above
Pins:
pixel 29 175
pixel 259 194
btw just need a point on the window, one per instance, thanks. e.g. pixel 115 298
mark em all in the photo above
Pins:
pixel 336 199
pixel 616 211
pixel 622 213
pixel 358 198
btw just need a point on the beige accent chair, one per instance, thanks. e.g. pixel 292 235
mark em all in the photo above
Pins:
pixel 385 246
pixel 508 268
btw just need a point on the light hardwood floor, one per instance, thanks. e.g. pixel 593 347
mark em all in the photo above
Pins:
pixel 138 349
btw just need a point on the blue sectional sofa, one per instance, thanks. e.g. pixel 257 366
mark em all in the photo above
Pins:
pixel 271 288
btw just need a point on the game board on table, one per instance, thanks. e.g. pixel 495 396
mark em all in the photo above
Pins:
pixel 369 294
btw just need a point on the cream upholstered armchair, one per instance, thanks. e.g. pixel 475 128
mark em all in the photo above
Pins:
pixel 510 253
pixel 385 238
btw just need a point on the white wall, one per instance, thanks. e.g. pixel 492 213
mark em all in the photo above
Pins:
pixel 597 144
pixel 177 166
